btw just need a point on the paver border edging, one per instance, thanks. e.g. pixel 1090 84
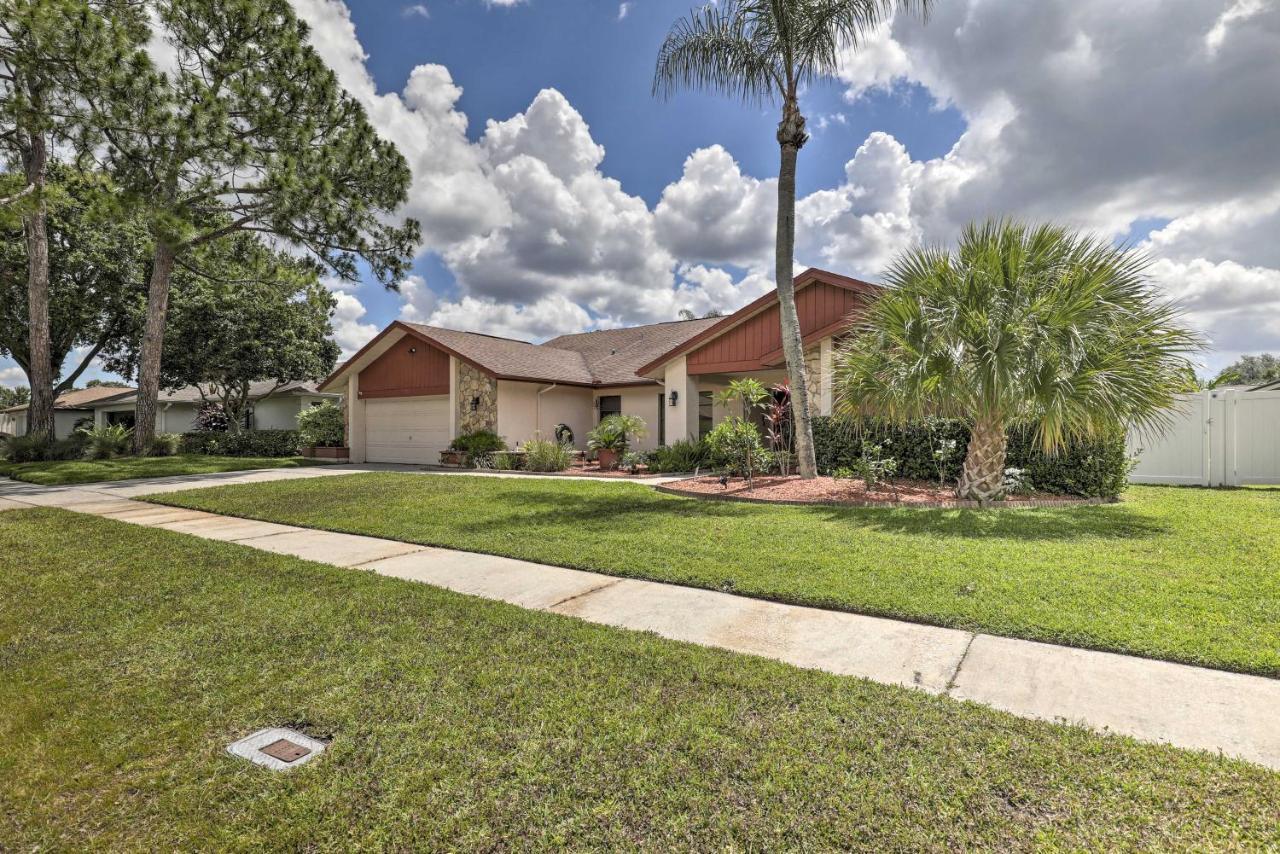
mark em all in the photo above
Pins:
pixel 951 504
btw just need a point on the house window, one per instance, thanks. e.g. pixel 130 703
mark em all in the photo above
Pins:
pixel 124 418
pixel 705 417
pixel 662 419
pixel 610 405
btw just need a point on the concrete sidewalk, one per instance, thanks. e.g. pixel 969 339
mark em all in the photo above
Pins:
pixel 1189 707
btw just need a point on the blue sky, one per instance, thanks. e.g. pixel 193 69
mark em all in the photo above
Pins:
pixel 556 194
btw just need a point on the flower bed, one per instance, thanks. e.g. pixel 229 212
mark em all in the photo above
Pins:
pixel 842 491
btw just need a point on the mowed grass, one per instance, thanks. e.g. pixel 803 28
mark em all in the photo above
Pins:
pixel 62 472
pixel 132 656
pixel 1189 575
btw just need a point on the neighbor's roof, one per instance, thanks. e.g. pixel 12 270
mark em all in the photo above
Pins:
pixel 191 394
pixel 79 399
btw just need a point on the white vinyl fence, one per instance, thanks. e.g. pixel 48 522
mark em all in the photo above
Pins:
pixel 1226 437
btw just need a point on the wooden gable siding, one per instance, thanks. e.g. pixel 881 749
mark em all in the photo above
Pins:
pixel 756 343
pixel 402 373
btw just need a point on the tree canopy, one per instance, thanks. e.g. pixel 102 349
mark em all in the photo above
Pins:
pixel 97 283
pixel 1252 369
pixel 264 317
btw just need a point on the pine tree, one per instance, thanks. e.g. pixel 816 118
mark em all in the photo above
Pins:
pixel 248 130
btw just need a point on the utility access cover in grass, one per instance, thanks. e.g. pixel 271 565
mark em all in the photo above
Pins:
pixel 277 748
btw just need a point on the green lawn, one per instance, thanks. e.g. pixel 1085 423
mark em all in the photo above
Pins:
pixel 125 468
pixel 1182 574
pixel 129 658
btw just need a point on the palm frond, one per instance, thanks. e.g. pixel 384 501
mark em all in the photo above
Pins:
pixel 723 47
pixel 1022 325
pixel 825 28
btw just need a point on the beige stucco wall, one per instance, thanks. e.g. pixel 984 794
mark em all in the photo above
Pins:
pixel 641 401
pixel 524 414
pixel 277 413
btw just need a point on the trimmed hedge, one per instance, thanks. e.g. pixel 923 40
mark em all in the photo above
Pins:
pixel 249 443
pixel 1098 469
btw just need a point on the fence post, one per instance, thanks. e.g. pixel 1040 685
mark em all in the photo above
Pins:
pixel 1206 425
pixel 1230 426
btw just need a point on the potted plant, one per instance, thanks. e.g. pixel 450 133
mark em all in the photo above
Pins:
pixel 321 430
pixel 612 436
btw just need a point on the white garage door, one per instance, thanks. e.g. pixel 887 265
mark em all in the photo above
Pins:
pixel 406 429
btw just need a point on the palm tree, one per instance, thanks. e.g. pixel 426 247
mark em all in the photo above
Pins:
pixel 764 51
pixel 1023 326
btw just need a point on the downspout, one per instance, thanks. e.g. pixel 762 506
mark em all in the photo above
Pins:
pixel 537 410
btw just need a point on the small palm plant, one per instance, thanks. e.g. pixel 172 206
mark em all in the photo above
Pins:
pixel 764 51
pixel 1023 325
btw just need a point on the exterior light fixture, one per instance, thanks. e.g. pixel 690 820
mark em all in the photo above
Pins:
pixel 475 404
pixel 413 350
pixel 675 396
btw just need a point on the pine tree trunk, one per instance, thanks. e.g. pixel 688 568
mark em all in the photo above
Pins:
pixel 39 364
pixel 791 137
pixel 982 476
pixel 144 424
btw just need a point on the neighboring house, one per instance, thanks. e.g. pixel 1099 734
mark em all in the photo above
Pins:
pixel 271 407
pixel 413 388
pixel 1273 385
pixel 70 409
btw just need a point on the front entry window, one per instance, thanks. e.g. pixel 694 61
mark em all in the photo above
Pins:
pixel 705 417
pixel 610 404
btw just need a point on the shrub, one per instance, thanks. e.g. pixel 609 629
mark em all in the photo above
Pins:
pixel 249 443
pixel 210 418
pixel 685 455
pixel 164 444
pixel 107 441
pixel 734 445
pixel 478 443
pixel 546 455
pixel 872 466
pixel 934 450
pixel 632 461
pixel 322 426
pixel 26 449
pixel 615 432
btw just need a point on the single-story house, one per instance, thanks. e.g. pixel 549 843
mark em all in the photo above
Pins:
pixel 271 406
pixel 72 408
pixel 413 388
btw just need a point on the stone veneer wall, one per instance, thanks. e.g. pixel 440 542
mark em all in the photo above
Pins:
pixel 813 378
pixel 473 383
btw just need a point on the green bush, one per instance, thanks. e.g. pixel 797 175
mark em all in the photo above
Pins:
pixel 107 441
pixel 935 449
pixel 546 455
pixel 322 426
pixel 478 443
pixel 734 445
pixel 26 449
pixel 164 444
pixel 249 443
pixel 683 456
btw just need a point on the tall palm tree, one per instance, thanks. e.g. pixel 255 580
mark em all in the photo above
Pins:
pixel 1030 326
pixel 764 51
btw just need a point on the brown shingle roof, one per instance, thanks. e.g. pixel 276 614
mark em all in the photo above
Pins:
pixel 80 398
pixel 613 355
pixel 601 358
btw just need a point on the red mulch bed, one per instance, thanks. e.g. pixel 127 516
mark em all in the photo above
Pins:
pixel 830 490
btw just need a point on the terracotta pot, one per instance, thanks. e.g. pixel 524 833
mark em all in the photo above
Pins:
pixel 608 459
pixel 324 453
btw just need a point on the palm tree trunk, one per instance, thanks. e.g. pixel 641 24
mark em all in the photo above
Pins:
pixel 144 422
pixel 791 137
pixel 39 357
pixel 982 477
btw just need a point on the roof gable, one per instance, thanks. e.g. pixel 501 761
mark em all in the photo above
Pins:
pixel 839 295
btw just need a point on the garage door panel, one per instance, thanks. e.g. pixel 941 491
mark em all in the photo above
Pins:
pixel 406 430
